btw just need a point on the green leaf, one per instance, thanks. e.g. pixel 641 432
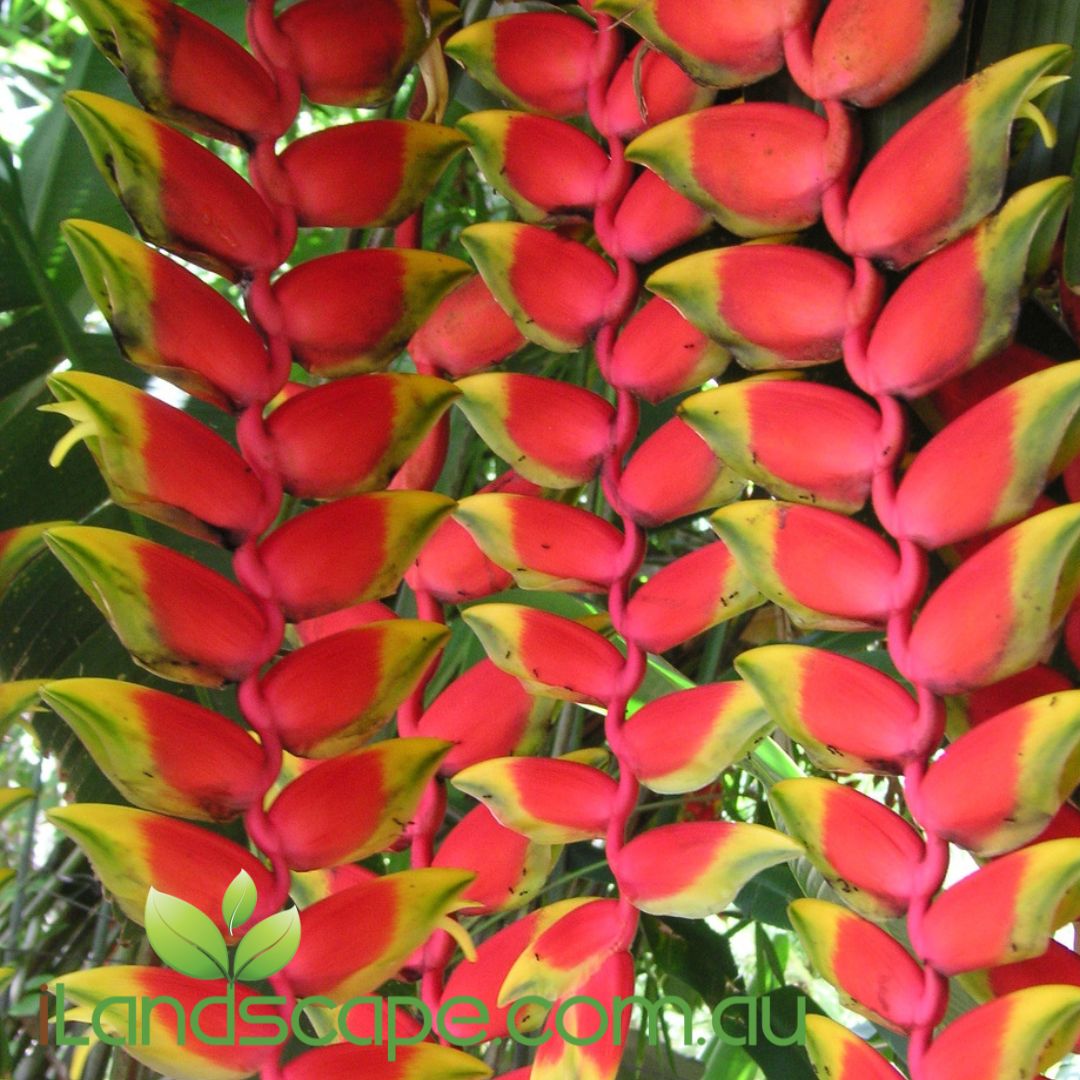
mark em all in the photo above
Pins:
pixel 268 946
pixel 693 952
pixel 1009 28
pixel 726 1062
pixel 11 798
pixel 16 288
pixel 29 349
pixel 58 176
pixel 766 896
pixel 185 938
pixel 1071 265
pixel 239 901
pixel 22 265
pixel 783 1008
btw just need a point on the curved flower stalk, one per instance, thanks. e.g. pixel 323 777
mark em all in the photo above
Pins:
pixel 324 699
pixel 759 170
pixel 562 295
pixel 997 255
pixel 829 572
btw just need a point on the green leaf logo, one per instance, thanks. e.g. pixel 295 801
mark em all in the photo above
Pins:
pixel 238 903
pixel 185 938
pixel 268 946
pixel 189 941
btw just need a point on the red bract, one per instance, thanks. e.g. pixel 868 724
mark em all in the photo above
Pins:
pixel 549 801
pixel 802 441
pixel 235 1052
pixel 759 169
pixel 399 161
pixel 961 304
pixel 515 151
pixel 485 713
pixel 549 653
pixel 556 290
pixel 167 321
pixel 654 496
pixel 354 805
pixel 774 306
pixel 332 333
pixel 175 616
pixel 873 973
pixel 163 753
pixel 134 850
pixel 483 977
pixel 1010 599
pixel 179 194
pixel 310 630
pixel 716 725
pixel 587 1042
pixel 660 353
pixel 865 851
pixel 553 434
pixel 1008 446
pixel 649 88
pixel 808 692
pixel 1026 757
pixel 953 156
pixel 353 53
pixel 333 695
pixel 654 217
pixel 185 69
pixel 867 52
pixel 386 918
pixel 452 568
pixel 537 60
pixel 726 44
pixel 509 866
pixel 467 332
pixel 543 544
pixel 156 459
pixel 688 596
pixel 350 551
pixel 348 436
pixel 780 548
pixel 708 862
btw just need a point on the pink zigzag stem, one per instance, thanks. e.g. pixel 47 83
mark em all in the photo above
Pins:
pixel 269 180
pixel 613 188
pixel 864 305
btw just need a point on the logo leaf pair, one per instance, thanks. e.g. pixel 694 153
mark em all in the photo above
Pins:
pixel 187 940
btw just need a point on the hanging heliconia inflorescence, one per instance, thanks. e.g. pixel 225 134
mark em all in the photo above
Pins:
pixel 612 154
pixel 310 791
pixel 929 200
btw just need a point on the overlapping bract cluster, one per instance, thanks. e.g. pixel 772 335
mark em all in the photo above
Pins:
pixel 314 796
pixel 368 444
pixel 929 200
